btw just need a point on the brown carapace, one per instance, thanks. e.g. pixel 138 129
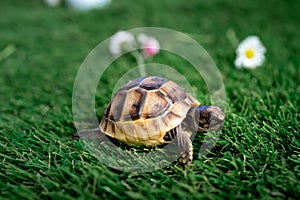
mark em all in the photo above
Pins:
pixel 153 111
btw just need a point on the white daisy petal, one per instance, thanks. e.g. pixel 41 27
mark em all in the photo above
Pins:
pixel 120 42
pixel 238 62
pixel 142 38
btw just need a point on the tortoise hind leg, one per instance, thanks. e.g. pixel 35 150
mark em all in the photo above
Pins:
pixel 185 147
pixel 90 134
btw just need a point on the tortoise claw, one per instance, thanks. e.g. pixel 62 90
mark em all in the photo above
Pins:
pixel 186 157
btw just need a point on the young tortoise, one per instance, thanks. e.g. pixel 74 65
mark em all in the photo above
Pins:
pixel 154 111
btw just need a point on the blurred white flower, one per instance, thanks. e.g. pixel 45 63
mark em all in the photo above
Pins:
pixel 150 45
pixel 121 42
pixel 84 5
pixel 52 3
pixel 250 53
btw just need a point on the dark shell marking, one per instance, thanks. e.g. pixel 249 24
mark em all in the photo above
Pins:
pixel 152 83
pixel 132 83
pixel 170 135
pixel 144 98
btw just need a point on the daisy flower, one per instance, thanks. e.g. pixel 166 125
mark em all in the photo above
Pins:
pixel 150 45
pixel 121 42
pixel 250 53
pixel 84 5
pixel 52 3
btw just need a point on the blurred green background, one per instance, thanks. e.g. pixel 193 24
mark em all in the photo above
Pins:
pixel 257 155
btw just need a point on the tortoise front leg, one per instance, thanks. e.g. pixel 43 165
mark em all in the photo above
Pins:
pixel 185 147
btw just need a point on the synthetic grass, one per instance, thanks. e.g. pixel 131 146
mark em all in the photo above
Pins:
pixel 257 155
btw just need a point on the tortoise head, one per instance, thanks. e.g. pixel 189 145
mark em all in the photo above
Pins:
pixel 209 118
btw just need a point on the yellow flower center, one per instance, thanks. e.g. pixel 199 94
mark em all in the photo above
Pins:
pixel 249 53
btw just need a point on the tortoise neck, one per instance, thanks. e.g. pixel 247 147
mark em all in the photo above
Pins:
pixel 192 118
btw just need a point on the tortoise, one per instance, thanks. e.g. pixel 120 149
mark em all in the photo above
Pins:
pixel 154 111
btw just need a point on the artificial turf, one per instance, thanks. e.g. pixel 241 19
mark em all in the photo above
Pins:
pixel 257 154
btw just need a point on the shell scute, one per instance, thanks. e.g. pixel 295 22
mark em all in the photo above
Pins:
pixel 155 105
pixel 174 91
pixel 134 104
pixel 117 105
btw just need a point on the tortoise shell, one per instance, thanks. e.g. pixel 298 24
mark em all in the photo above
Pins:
pixel 145 109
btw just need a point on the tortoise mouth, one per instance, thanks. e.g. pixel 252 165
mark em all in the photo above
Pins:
pixel 213 125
